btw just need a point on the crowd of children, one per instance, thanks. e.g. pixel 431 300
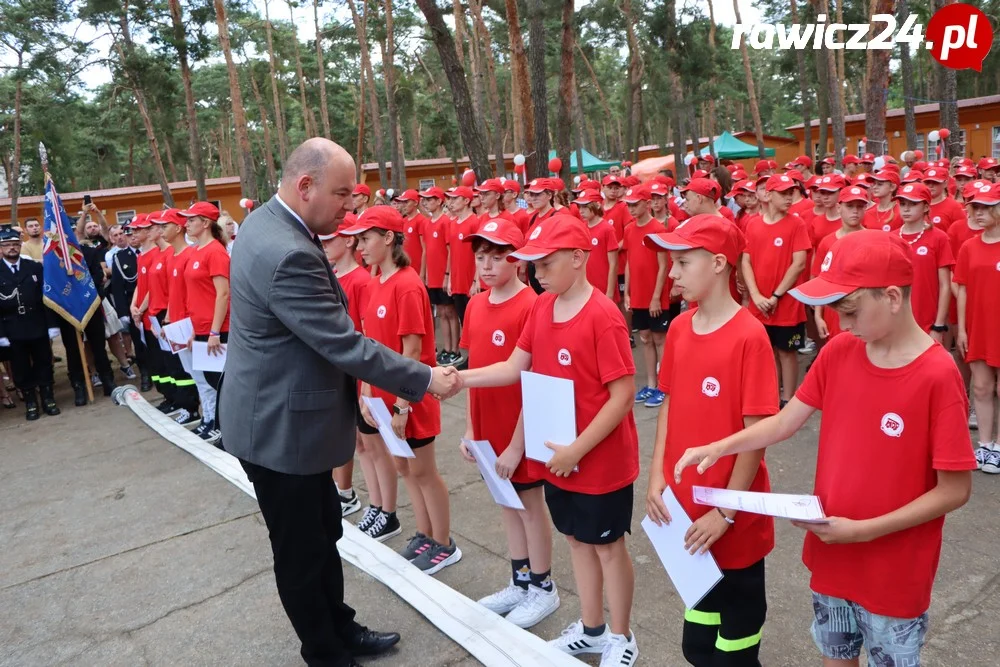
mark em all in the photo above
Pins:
pixel 893 275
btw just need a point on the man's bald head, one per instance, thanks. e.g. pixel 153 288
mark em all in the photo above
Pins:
pixel 316 183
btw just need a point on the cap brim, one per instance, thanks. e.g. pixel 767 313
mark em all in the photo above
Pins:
pixel 820 292
pixel 187 215
pixel 530 253
pixel 914 199
pixel 667 241
pixel 355 229
pixel 986 201
pixel 495 240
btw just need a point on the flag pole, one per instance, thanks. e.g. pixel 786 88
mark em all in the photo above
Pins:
pixel 86 369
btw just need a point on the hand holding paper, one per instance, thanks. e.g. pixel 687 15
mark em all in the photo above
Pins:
pixel 836 530
pixel 564 459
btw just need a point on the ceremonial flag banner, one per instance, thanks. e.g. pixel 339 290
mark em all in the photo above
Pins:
pixel 69 287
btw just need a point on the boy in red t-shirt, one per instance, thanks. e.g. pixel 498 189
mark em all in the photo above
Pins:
pixel 437 232
pixel 894 455
pixel 602 265
pixel 852 202
pixel 718 375
pixel 413 232
pixel 775 258
pixel 826 195
pixel 647 289
pixel 493 323
pixel 577 333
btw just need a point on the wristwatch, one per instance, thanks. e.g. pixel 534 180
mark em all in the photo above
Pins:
pixel 723 515
pixel 940 328
pixel 400 410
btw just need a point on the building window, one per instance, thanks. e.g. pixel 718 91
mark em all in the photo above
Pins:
pixel 996 142
pixel 921 142
pixel 123 217
pixel 426 183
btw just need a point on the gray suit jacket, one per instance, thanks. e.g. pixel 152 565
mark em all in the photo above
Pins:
pixel 288 400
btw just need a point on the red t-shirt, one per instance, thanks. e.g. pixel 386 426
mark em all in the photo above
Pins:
pixel 946 212
pixel 177 299
pixel 883 435
pixel 142 282
pixel 770 248
pixel 521 219
pixel 821 226
pixel 158 288
pixel 978 269
pixel 399 307
pixel 803 208
pixel 830 315
pixel 463 260
pixel 620 218
pixel 413 234
pixel 643 265
pixel 727 213
pixel 204 264
pixel 887 221
pixel 355 286
pixel 490 334
pixel 436 233
pixel 713 381
pixel 591 349
pixel 535 218
pixel 603 241
pixel 931 251
pixel 958 234
pixel 676 211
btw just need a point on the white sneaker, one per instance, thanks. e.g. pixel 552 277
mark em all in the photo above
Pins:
pixel 991 464
pixel 620 651
pixel 574 641
pixel 504 600
pixel 981 452
pixel 809 347
pixel 538 605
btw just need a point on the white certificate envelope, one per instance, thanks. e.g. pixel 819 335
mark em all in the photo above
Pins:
pixel 185 358
pixel 549 414
pixel 380 413
pixel 486 459
pixel 179 333
pixel 202 361
pixel 693 575
pixel 154 326
pixel 783 505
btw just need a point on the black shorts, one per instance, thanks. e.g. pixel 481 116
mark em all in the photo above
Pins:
pixel 414 443
pixel 439 297
pixel 591 519
pixel 786 339
pixel 643 321
pixel 524 486
pixel 621 284
pixel 461 303
pixel 732 613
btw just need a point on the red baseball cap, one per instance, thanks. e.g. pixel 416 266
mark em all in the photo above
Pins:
pixel 491 185
pixel 658 189
pixel 408 195
pixel 707 157
pixel 853 193
pixel 705 187
pixel 762 165
pixel 862 180
pixel 560 232
pixel 461 191
pixel 988 163
pixel 589 197
pixel 919 165
pixel 511 185
pixel 541 185
pixel 699 173
pixel 732 167
pixel 780 182
pixel 965 172
pixel 741 187
pixel 810 183
pixel 611 180
pixel 971 188
pixel 380 217
pixel 828 160
pixel 637 194
pixel 204 209
pixel 433 192
pixel 362 189
pixel 711 232
pixel 914 192
pixel 628 181
pixel 987 194
pixel 965 162
pixel 141 221
pixel 499 231
pixel 168 215
pixel 795 175
pixel 831 183
pixel 803 161
pixel 851 159
pixel 665 180
pixel 867 157
pixel 865 258
pixel 344 229
pixel 885 175
pixel 912 176
pixel 935 175
pixel 943 164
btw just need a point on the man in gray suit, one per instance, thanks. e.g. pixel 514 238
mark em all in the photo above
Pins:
pixel 287 403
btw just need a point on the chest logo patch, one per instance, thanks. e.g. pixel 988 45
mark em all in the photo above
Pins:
pixel 710 387
pixel 380 312
pixel 195 265
pixel 564 357
pixel 886 228
pixel 892 425
pixel 922 250
pixel 827 261
pixel 535 234
pixel 778 242
pixel 461 236
pixel 409 230
pixel 937 219
pixel 144 270
pixel 160 266
pixel 499 338
pixel 593 242
pixel 435 234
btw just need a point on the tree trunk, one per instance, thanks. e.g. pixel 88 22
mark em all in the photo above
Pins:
pixel 492 92
pixel 579 122
pixel 278 113
pixel 710 106
pixel 272 174
pixel 361 29
pixel 876 83
pixel 823 102
pixel 538 164
pixel 948 105
pixel 308 121
pixel 800 61
pixel 604 102
pixel 360 110
pixel 906 69
pixel 170 158
pixel 758 126
pixel 14 181
pixel 524 124
pixel 475 66
pixel 248 177
pixel 840 65
pixel 194 142
pixel 635 68
pixel 389 72
pixel 836 99
pixel 475 142
pixel 140 103
pixel 567 84
pixel 321 71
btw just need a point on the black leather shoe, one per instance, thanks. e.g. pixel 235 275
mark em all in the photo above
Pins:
pixel 108 384
pixel 369 642
pixel 31 412
pixel 79 395
pixel 146 384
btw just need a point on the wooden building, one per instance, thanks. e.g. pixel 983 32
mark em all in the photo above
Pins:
pixel 978 118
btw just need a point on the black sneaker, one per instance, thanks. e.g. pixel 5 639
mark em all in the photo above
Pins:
pixel 213 435
pixel 203 428
pixel 349 504
pixel 166 407
pixel 188 420
pixel 384 526
pixel 367 518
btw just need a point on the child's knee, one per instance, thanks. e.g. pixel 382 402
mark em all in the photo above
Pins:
pixel 646 337
pixel 610 552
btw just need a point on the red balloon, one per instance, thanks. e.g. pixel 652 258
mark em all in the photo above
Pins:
pixel 626 164
pixel 583 177
pixel 469 178
pixel 454 181
pixel 944 133
pixel 518 168
pixel 555 165
pixel 918 154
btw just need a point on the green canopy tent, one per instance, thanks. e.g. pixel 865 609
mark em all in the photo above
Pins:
pixel 729 147
pixel 591 163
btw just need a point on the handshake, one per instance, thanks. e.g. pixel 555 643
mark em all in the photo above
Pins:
pixel 445 382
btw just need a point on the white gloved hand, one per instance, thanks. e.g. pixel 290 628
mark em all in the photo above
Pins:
pixel 53 332
pixel 4 342
pixel 126 320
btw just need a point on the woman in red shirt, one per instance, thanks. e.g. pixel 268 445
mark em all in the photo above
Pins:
pixel 398 315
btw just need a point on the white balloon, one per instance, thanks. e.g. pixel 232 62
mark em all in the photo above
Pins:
pixel 243 203
pixel 389 193
pixel 901 158
pixel 879 162
pixel 503 179
pixel 933 135
pixel 518 159
pixel 576 180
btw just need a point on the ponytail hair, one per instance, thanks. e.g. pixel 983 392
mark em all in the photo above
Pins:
pixel 399 256
pixel 218 233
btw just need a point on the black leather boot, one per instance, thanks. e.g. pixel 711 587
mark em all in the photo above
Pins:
pixel 108 383
pixel 49 402
pixel 31 412
pixel 146 384
pixel 79 394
